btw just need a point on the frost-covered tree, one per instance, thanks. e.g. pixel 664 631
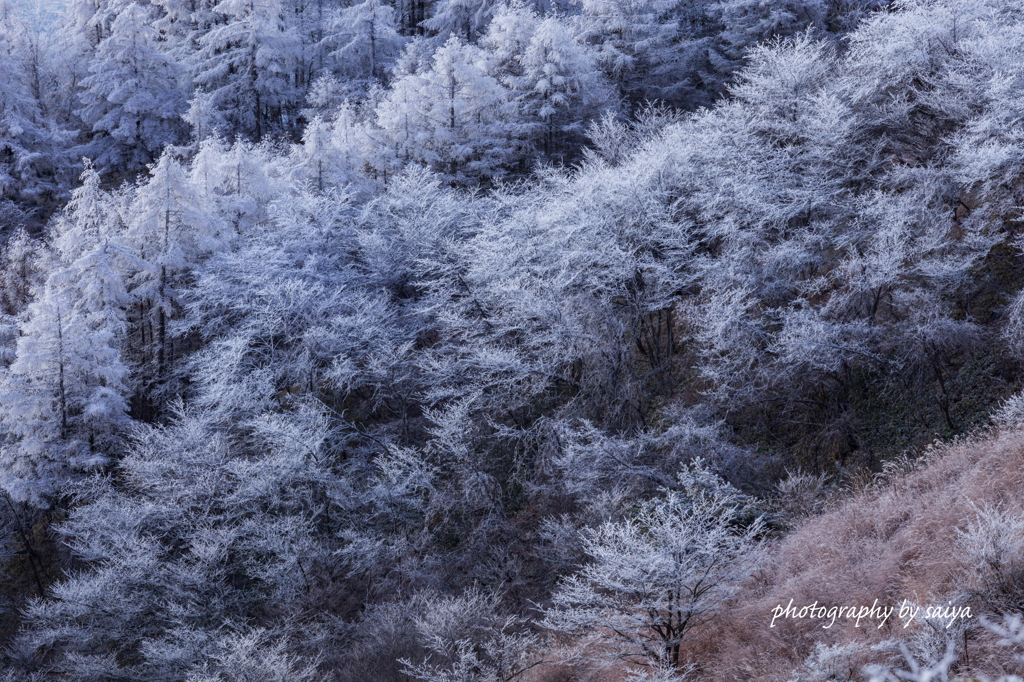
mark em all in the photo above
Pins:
pixel 247 65
pixel 32 162
pixel 237 182
pixel 19 272
pixel 172 232
pixel 363 41
pixel 636 41
pixel 506 651
pixel 66 389
pixel 560 88
pixel 447 115
pixel 657 576
pixel 508 34
pixel 203 116
pixel 244 541
pixel 465 19
pixel 132 100
pixel 296 326
pixel 329 156
pixel 38 414
pixel 745 23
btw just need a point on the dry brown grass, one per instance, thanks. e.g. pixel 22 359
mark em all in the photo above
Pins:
pixel 891 541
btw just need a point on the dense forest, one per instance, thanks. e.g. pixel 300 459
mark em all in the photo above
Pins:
pixel 493 340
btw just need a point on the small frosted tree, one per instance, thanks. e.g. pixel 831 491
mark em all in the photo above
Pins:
pixel 658 575
pixel 202 116
pixel 328 156
pixel 18 272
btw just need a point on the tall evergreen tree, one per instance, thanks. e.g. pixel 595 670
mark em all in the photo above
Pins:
pixel 132 101
pixel 636 42
pixel 561 88
pixel 465 19
pixel 32 158
pixel 448 115
pixel 247 65
pixel 65 392
pixel 171 231
pixel 363 41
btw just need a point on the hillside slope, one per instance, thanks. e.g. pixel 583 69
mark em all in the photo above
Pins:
pixel 946 533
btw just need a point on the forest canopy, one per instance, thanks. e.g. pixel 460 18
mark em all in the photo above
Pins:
pixel 481 340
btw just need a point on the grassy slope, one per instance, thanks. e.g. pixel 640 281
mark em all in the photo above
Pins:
pixel 892 541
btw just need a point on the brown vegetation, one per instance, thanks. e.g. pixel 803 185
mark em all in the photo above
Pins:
pixel 896 539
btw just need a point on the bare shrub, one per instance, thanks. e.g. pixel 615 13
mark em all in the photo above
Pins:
pixel 929 667
pixel 919 671
pixel 1010 413
pixel 386 634
pixel 504 654
pixel 839 662
pixel 435 638
pixel 993 546
pixel 255 655
pixel 801 495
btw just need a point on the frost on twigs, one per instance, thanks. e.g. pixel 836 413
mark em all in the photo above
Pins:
pixel 937 671
pixel 832 662
pixel 468 641
pixel 992 544
pixel 940 664
pixel 1010 413
pixel 657 576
